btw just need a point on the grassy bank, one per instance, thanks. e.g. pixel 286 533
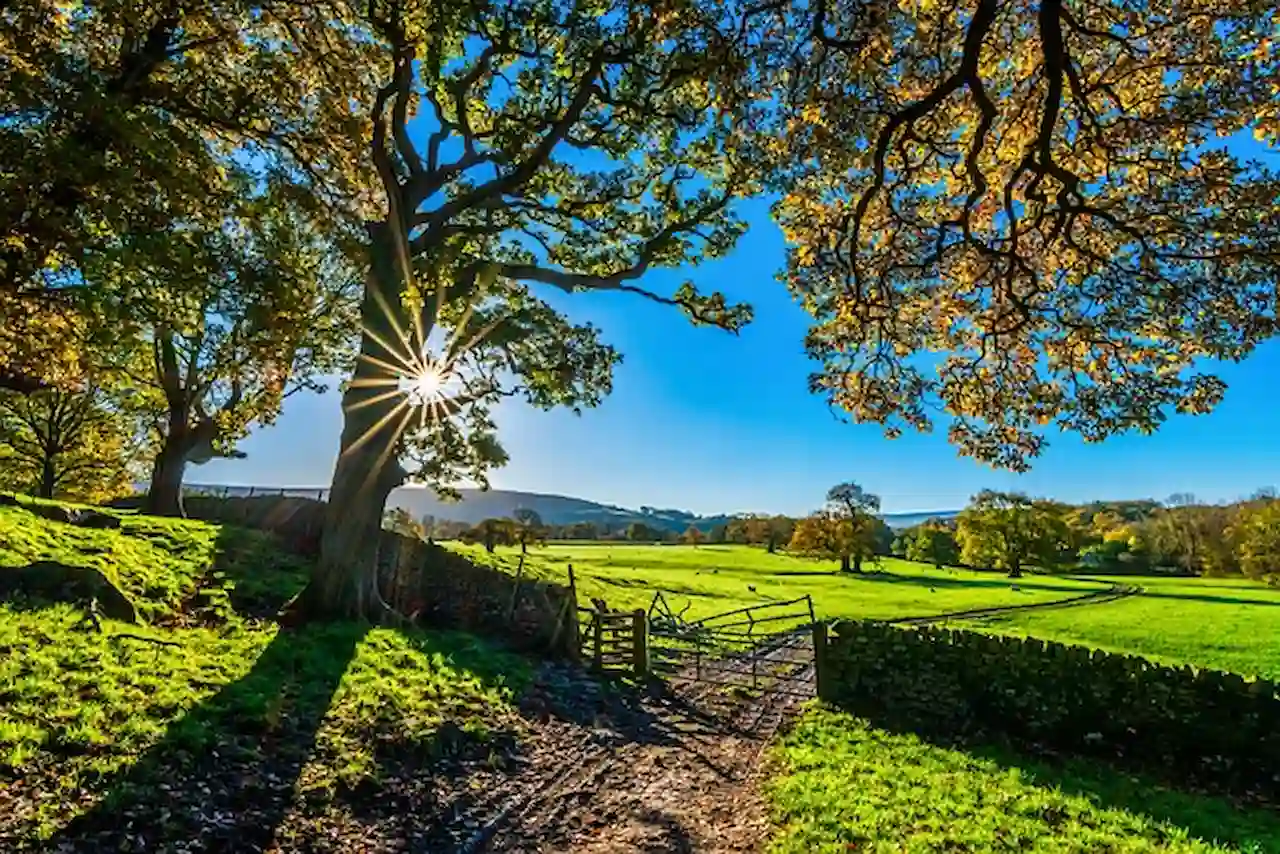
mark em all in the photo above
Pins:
pixel 212 702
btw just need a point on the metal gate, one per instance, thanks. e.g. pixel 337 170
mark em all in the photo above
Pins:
pixel 767 647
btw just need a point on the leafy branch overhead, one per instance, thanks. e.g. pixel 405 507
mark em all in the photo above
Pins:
pixel 1014 215
pixel 575 145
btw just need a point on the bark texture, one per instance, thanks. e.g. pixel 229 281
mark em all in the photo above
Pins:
pixel 344 582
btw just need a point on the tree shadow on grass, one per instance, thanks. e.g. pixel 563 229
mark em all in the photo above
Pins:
pixel 941 581
pixel 1252 828
pixel 1210 599
pixel 223 776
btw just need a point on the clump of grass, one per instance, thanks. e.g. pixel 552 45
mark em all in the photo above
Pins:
pixel 843 786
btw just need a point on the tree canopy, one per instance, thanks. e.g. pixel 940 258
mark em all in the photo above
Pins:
pixel 219 319
pixel 122 117
pixel 1009 216
pixel 1010 531
pixel 573 145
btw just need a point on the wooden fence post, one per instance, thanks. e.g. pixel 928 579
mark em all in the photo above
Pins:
pixel 597 628
pixel 515 591
pixel 640 639
pixel 820 659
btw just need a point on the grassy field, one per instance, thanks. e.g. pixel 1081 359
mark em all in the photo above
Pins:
pixel 711 579
pixel 96 728
pixel 843 786
pixel 99 725
pixel 1226 624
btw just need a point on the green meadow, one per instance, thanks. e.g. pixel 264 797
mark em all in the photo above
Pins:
pixel 1226 624
pixel 95 726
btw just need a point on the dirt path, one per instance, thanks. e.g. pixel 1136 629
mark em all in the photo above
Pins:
pixel 670 770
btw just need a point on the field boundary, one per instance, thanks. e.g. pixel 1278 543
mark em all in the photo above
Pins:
pixel 1114 593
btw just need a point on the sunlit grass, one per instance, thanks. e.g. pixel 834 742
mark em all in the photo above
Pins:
pixel 1227 624
pixel 710 579
pixel 81 711
pixel 843 785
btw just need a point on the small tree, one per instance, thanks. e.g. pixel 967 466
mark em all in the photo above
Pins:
pixel 493 533
pixel 528 528
pixel 692 536
pixel 832 535
pixel 849 501
pixel 583 531
pixel 931 543
pixel 1008 530
pixel 639 532
pixel 73 445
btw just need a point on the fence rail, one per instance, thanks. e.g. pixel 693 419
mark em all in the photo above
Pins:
pixel 214 491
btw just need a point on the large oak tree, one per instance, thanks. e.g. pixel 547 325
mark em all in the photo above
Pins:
pixel 566 144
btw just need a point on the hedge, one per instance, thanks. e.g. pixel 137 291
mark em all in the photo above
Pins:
pixel 1206 726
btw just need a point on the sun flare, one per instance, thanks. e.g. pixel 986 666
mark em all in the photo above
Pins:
pixel 424 386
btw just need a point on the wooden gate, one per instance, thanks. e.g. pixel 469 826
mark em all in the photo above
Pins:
pixel 617 642
pixel 767 647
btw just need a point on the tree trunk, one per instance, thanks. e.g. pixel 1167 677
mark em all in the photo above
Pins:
pixel 1015 570
pixel 48 477
pixel 857 563
pixel 844 563
pixel 164 497
pixel 344 582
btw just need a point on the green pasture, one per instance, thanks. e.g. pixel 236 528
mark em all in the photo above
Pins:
pixel 1221 623
pixel 1227 624
pixel 99 726
pixel 711 579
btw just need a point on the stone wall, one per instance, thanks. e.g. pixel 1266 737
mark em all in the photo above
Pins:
pixel 423 581
pixel 1218 730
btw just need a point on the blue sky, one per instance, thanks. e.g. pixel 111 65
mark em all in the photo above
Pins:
pixel 709 422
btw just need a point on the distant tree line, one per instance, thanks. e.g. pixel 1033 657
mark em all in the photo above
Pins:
pixel 1004 531
pixel 1012 532
pixel 525 527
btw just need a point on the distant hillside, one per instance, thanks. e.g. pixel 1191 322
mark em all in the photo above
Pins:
pixel 477 506
pixel 906 520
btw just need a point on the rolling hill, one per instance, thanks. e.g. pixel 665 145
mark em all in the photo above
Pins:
pixel 477 505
